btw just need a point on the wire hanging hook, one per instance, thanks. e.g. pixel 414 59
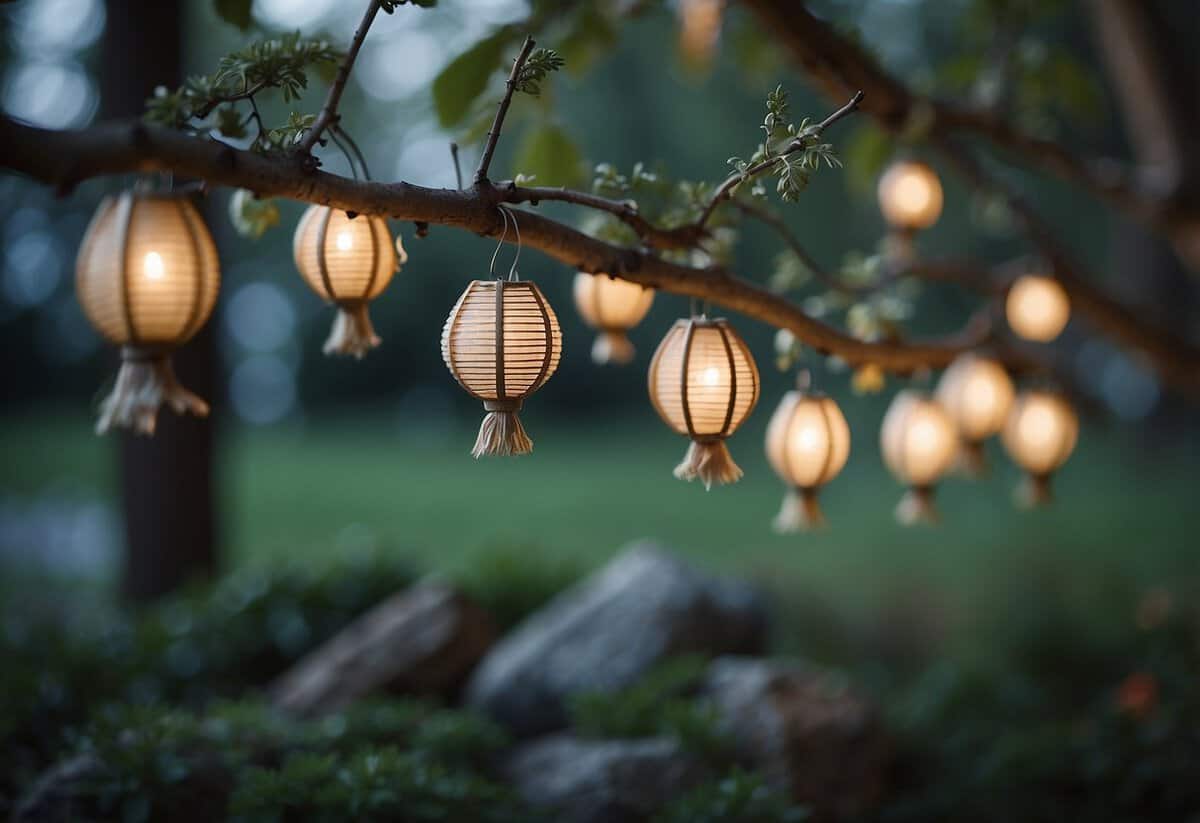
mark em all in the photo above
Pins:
pixel 499 243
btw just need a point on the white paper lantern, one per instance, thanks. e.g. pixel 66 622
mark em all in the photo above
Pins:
pixel 704 384
pixel 612 307
pixel 807 443
pixel 1040 435
pixel 978 394
pixel 919 443
pixel 147 277
pixel 348 262
pixel 910 196
pixel 1037 308
pixel 502 342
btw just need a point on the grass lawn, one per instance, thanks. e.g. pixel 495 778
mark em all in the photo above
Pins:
pixel 312 492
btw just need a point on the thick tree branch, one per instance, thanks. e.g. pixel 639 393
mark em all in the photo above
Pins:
pixel 328 115
pixel 64 158
pixel 838 66
pixel 493 135
pixel 798 143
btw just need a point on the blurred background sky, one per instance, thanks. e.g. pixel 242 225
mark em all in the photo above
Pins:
pixel 321 457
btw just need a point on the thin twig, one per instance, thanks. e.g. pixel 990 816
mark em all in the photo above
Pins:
pixel 457 165
pixel 328 114
pixel 493 135
pixel 799 143
pixel 775 222
pixel 626 211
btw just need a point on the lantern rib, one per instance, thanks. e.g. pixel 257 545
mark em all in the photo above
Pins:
pixel 732 380
pixel 193 322
pixel 125 221
pixel 549 349
pixel 828 461
pixel 322 262
pixel 499 345
pixel 688 335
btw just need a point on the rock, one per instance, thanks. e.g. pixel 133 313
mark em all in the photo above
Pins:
pixel 807 732
pixel 422 640
pixel 603 633
pixel 602 781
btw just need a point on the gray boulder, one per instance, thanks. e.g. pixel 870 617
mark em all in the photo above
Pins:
pixel 422 640
pixel 807 731
pixel 602 781
pixel 604 633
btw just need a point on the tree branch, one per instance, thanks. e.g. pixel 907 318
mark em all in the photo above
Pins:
pixel 328 114
pixel 1177 360
pixel 838 65
pixel 683 237
pixel 64 158
pixel 493 135
pixel 799 143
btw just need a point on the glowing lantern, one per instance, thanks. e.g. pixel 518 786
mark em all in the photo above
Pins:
pixel 977 393
pixel 704 384
pixel 1037 308
pixel 1040 435
pixel 699 31
pixel 502 342
pixel 919 446
pixel 348 262
pixel 612 307
pixel 147 277
pixel 808 442
pixel 910 196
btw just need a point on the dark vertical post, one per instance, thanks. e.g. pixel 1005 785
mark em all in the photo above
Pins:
pixel 166 481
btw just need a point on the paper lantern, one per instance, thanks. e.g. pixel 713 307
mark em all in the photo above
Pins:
pixel 808 442
pixel 704 384
pixel 978 394
pixel 910 196
pixel 502 342
pixel 919 444
pixel 612 307
pixel 348 262
pixel 1037 308
pixel 147 277
pixel 1040 435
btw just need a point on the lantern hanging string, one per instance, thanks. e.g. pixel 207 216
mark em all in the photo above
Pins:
pixel 507 215
pixel 345 153
pixel 362 161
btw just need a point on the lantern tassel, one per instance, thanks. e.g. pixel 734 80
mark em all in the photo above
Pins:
pixel 612 347
pixel 800 512
pixel 972 460
pixel 501 434
pixel 352 332
pixel 710 462
pixel 917 507
pixel 1034 491
pixel 145 382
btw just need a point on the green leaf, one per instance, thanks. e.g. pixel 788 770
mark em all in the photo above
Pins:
pixel 548 153
pixel 234 12
pixel 251 217
pixel 466 77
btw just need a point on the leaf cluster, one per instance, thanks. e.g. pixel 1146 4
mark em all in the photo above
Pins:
pixel 539 64
pixel 279 63
pixel 737 797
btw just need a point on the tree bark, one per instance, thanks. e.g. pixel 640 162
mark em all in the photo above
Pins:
pixel 166 481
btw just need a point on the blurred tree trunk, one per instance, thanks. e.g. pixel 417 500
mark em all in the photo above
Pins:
pixel 1149 47
pixel 166 480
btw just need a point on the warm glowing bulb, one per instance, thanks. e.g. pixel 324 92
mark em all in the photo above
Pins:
pixel 809 439
pixel 712 376
pixel 152 266
pixel 344 240
pixel 910 196
pixel 1037 308
pixel 1040 435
